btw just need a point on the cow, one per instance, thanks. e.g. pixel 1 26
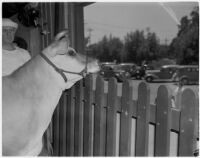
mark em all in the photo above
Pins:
pixel 31 93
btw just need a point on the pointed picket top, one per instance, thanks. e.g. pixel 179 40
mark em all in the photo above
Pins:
pixel 125 120
pixel 112 80
pixel 99 84
pixel 126 93
pixel 188 123
pixel 99 92
pixel 88 79
pixel 143 119
pixel 163 121
pixel 112 90
pixel 78 123
pixel 87 116
pixel 111 118
pixel 99 119
pixel 143 91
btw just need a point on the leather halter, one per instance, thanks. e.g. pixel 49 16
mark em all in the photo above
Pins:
pixel 61 71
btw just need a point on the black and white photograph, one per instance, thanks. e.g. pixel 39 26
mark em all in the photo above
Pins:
pixel 100 78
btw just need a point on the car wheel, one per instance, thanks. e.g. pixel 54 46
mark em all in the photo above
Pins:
pixel 184 81
pixel 149 79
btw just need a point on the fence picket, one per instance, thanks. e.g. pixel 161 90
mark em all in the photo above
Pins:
pixel 163 121
pixel 73 123
pixel 62 124
pixel 111 118
pixel 56 131
pixel 187 123
pixel 99 118
pixel 70 122
pixel 87 117
pixel 78 124
pixel 143 118
pixel 125 122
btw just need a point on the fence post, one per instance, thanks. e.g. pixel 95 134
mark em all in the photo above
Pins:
pixel 87 117
pixel 163 121
pixel 99 118
pixel 188 123
pixel 111 118
pixel 125 121
pixel 62 124
pixel 78 124
pixel 143 118
pixel 56 131
pixel 70 122
pixel 48 139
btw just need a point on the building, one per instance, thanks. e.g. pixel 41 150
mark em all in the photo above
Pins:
pixel 53 18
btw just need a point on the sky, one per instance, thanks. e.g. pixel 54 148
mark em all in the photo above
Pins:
pixel 120 18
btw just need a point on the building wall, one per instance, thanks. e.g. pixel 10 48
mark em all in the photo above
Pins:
pixel 54 18
pixel 30 35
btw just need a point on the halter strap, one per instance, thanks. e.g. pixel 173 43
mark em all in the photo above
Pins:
pixel 61 71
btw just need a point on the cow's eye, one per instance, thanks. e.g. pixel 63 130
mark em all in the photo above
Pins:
pixel 72 53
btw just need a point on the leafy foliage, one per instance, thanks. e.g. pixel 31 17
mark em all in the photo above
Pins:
pixel 108 49
pixel 185 47
pixel 140 45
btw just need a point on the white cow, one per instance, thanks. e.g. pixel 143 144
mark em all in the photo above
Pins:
pixel 31 93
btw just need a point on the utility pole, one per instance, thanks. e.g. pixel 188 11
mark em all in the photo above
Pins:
pixel 166 41
pixel 90 34
pixel 89 41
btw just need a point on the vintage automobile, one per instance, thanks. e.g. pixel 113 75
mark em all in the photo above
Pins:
pixel 164 74
pixel 187 74
pixel 107 70
pixel 124 71
pixel 120 71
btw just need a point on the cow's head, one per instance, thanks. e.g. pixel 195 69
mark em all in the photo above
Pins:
pixel 66 58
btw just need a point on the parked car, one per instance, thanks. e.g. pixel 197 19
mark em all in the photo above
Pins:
pixel 107 70
pixel 164 74
pixel 124 71
pixel 120 71
pixel 187 74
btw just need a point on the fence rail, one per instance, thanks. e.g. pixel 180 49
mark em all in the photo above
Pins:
pixel 91 122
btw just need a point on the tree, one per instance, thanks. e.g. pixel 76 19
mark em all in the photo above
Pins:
pixel 139 47
pixel 132 46
pixel 108 49
pixel 185 46
pixel 164 51
pixel 115 48
pixel 153 46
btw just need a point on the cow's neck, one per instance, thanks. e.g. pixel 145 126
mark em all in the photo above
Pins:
pixel 38 72
pixel 42 85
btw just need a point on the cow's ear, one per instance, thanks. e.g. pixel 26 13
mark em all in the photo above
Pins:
pixel 62 34
pixel 60 45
